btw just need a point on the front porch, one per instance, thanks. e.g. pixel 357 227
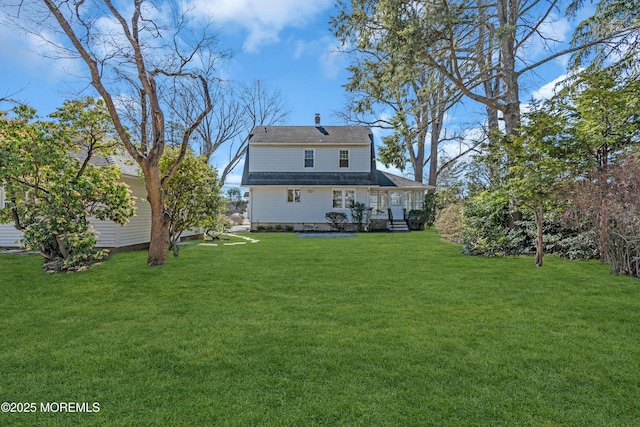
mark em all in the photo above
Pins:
pixel 390 208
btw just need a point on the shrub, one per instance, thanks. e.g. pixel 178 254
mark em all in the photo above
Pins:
pixel 236 219
pixel 449 222
pixel 338 220
pixel 429 209
pixel 581 246
pixel 485 232
pixel 360 215
pixel 217 225
pixel 417 218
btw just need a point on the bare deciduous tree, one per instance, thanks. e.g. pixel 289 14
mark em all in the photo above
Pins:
pixel 238 108
pixel 153 51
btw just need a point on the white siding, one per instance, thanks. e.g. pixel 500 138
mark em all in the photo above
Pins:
pixel 109 234
pixel 9 236
pixel 266 158
pixel 269 205
pixel 134 232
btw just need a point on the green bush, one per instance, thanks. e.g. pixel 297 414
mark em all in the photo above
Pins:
pixel 429 209
pixel 581 246
pixel 360 215
pixel 338 220
pixel 416 219
pixel 485 230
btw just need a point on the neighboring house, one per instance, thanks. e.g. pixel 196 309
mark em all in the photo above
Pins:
pixel 134 233
pixel 296 174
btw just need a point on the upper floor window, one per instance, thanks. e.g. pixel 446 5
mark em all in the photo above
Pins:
pixel 344 158
pixel 309 158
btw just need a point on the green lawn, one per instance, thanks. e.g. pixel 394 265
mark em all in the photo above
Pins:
pixel 381 329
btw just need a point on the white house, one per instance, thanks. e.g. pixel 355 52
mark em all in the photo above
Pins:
pixel 296 174
pixel 134 233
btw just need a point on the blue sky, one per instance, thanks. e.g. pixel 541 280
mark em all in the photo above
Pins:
pixel 284 43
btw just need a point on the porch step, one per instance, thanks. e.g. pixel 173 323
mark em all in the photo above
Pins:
pixel 398 226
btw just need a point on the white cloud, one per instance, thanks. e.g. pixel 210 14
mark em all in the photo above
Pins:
pixel 553 32
pixel 548 90
pixel 392 170
pixel 333 60
pixel 264 20
pixel 38 54
pixel 233 180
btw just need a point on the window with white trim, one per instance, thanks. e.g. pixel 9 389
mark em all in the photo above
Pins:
pixel 378 200
pixel 408 200
pixel 343 199
pixel 344 159
pixel 373 201
pixel 418 199
pixel 309 158
pixel 293 195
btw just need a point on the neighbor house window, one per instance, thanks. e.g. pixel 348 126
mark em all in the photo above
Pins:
pixel 293 195
pixel 344 158
pixel 309 156
pixel 343 198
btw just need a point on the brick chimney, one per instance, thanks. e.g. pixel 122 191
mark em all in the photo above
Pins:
pixel 317 119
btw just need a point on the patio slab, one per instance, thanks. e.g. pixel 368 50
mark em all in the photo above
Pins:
pixel 326 235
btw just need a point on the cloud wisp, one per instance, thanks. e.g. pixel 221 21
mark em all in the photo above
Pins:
pixel 264 21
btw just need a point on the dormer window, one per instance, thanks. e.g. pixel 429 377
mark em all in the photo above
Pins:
pixel 309 156
pixel 344 159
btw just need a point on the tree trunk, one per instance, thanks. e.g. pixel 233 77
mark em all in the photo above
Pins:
pixel 159 238
pixel 436 129
pixel 417 156
pixel 508 15
pixel 540 232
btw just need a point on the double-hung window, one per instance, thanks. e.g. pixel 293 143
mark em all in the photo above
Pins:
pixel 293 195
pixel 309 158
pixel 344 159
pixel 343 199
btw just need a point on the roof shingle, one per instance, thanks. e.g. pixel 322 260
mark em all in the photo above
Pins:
pixel 311 135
